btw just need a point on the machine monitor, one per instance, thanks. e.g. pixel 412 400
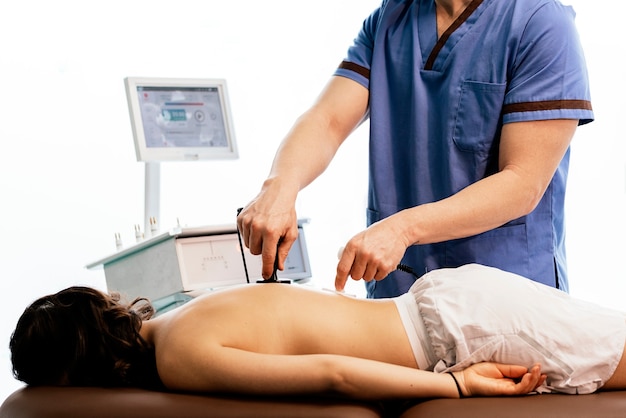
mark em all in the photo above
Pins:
pixel 180 119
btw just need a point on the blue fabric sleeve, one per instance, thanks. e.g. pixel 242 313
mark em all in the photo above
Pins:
pixel 549 66
pixel 360 53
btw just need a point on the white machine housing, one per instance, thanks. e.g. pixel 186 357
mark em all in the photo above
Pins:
pixel 187 260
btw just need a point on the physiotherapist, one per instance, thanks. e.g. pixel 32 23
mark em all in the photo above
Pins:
pixel 472 106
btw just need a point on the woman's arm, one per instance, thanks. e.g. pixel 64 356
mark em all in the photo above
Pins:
pixel 230 370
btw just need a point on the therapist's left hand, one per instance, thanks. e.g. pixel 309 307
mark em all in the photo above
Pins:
pixel 372 254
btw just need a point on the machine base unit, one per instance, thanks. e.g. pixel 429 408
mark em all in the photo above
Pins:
pixel 165 267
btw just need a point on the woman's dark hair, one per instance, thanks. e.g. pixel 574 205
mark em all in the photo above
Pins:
pixel 83 337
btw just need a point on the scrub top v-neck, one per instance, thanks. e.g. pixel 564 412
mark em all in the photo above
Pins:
pixel 439 48
pixel 437 106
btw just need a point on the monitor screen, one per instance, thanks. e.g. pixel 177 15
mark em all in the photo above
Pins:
pixel 180 119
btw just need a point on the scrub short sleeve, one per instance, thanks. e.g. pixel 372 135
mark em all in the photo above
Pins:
pixel 358 61
pixel 549 79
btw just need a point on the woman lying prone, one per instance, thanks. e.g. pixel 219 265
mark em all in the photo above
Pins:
pixel 470 331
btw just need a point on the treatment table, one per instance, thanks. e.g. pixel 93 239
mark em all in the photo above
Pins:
pixel 75 402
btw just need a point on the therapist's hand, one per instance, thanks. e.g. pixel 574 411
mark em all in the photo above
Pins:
pixel 372 254
pixel 269 225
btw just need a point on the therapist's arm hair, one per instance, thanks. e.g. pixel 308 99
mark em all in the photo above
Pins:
pixel 83 337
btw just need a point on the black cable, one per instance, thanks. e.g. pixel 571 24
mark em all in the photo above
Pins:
pixel 407 269
pixel 243 255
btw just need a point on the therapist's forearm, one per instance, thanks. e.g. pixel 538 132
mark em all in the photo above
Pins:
pixel 304 154
pixel 312 142
pixel 530 153
pixel 480 207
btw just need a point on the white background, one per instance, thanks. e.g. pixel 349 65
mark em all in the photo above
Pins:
pixel 68 176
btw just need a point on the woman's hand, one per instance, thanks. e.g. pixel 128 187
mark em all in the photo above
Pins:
pixel 494 379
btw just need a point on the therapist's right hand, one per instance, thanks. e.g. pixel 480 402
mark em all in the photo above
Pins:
pixel 269 226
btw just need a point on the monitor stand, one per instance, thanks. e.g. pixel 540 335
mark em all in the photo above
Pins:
pixel 152 196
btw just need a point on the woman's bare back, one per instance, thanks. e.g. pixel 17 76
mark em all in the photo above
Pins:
pixel 279 319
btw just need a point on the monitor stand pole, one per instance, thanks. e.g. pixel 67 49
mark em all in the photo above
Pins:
pixel 152 201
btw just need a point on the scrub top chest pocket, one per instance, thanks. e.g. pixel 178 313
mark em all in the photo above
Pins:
pixel 478 120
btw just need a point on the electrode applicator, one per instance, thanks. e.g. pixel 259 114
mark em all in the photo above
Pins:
pixel 274 277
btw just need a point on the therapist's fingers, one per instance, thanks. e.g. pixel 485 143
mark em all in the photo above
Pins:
pixel 241 227
pixel 268 256
pixel 275 243
pixel 358 264
pixel 284 246
pixel 343 269
pixel 264 223
pixel 259 238
pixel 251 227
pixel 370 273
pixel 370 255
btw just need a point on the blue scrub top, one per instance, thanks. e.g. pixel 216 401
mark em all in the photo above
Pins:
pixel 436 112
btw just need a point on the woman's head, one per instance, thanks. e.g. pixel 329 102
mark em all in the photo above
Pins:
pixel 83 337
